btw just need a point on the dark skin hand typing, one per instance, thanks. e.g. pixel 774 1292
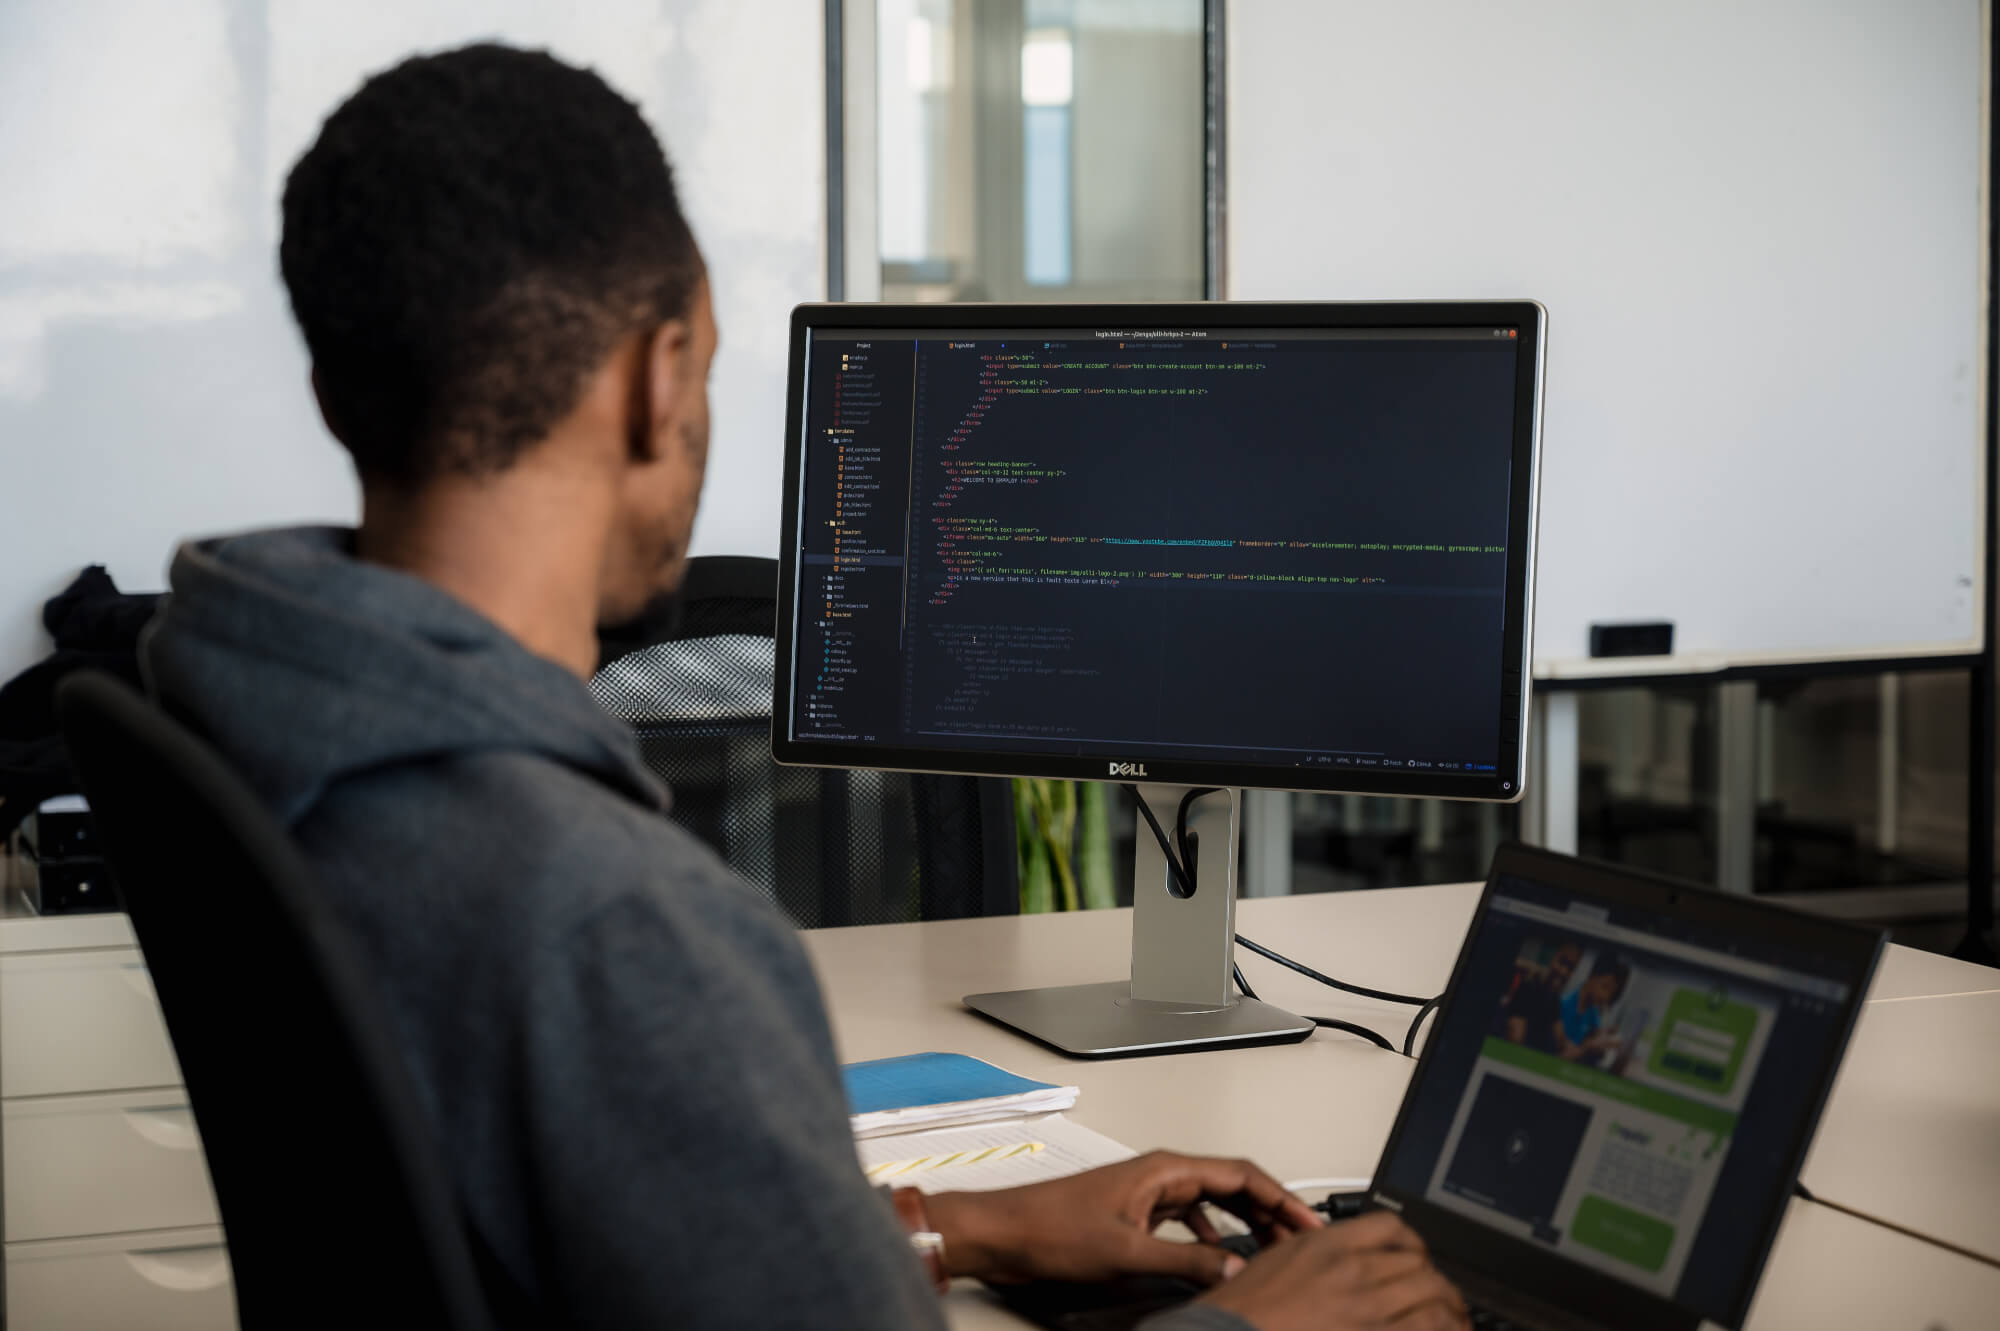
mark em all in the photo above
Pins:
pixel 1373 1271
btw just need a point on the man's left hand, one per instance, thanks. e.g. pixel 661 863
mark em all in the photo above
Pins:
pixel 1099 1224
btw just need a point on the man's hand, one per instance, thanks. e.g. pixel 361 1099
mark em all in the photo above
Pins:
pixel 1372 1271
pixel 1099 1224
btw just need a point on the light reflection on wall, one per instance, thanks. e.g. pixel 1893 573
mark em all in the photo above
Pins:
pixel 117 135
pixel 118 132
pixel 151 383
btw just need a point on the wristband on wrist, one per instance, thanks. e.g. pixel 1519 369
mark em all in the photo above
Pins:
pixel 926 1242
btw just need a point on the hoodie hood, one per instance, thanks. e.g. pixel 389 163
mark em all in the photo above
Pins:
pixel 303 665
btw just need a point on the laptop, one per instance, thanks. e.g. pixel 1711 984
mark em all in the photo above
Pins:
pixel 1609 1116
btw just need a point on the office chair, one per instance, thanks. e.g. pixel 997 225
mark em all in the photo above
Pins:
pixel 830 846
pixel 334 1201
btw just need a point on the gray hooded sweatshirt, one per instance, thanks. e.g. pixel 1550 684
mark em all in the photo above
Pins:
pixel 622 1046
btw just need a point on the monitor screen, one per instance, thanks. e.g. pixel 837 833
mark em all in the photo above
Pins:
pixel 1624 1086
pixel 1278 546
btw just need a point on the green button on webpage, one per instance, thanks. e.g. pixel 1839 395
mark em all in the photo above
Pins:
pixel 1642 1240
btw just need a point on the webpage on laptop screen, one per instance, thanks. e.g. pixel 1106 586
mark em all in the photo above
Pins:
pixel 1617 1083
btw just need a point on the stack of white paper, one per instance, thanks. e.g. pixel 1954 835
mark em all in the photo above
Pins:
pixel 996 1155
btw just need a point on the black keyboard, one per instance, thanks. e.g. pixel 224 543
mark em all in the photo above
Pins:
pixel 1126 1303
pixel 1109 1305
pixel 1120 1305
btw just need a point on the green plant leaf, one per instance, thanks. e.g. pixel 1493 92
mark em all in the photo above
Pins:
pixel 1052 798
pixel 1037 884
pixel 1095 878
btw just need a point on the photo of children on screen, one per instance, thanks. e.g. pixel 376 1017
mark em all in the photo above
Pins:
pixel 1562 1001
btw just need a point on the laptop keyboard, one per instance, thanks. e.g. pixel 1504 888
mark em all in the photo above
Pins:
pixel 1069 1308
pixel 1119 1305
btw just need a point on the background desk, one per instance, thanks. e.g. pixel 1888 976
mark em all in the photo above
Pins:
pixel 1912 1133
pixel 1324 1108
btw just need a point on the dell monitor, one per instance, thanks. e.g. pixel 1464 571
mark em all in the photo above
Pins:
pixel 1197 548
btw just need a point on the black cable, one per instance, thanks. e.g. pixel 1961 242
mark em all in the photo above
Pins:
pixel 1345 1205
pixel 1335 1024
pixel 1410 1040
pixel 1800 1191
pixel 1189 843
pixel 1178 879
pixel 1180 884
pixel 1328 1022
pixel 1180 866
pixel 1311 974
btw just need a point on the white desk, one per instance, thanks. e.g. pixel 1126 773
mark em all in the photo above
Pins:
pixel 1911 1134
pixel 1907 972
pixel 1325 1107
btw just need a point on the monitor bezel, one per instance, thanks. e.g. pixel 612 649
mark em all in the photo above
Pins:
pixel 1545 1275
pixel 1505 785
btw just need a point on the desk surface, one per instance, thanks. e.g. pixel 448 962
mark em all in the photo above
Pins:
pixel 1324 1108
pixel 894 989
pixel 1911 1134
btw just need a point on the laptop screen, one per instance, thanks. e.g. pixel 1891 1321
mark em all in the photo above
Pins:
pixel 1624 1087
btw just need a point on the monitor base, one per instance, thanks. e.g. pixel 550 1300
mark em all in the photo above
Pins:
pixel 1105 1021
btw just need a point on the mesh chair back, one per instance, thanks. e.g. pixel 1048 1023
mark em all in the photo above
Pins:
pixel 336 1207
pixel 830 846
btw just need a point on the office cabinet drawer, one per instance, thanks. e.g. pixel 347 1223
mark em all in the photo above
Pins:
pixel 72 1022
pixel 102 1164
pixel 172 1281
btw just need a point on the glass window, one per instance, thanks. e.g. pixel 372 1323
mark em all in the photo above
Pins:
pixel 1040 149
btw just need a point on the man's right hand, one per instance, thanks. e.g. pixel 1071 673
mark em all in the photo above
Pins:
pixel 1372 1271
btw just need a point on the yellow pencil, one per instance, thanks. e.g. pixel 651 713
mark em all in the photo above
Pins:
pixel 925 1163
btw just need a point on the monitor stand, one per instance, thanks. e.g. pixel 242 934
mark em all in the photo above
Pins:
pixel 1180 997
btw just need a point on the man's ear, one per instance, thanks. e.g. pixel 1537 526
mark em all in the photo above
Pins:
pixel 659 387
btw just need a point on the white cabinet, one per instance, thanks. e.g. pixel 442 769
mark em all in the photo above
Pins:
pixel 167 1280
pixel 75 1021
pixel 103 1164
pixel 108 1215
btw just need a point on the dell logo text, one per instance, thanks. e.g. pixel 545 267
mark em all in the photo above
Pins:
pixel 1128 769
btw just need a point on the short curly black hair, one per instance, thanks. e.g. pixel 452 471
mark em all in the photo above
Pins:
pixel 467 239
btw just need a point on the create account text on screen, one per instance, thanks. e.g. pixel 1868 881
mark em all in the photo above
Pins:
pixel 1271 546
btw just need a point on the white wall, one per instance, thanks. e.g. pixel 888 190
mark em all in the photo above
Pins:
pixel 1759 231
pixel 151 383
